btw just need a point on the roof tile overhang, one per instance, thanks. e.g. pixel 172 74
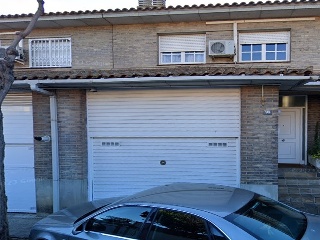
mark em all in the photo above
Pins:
pixel 217 12
pixel 179 76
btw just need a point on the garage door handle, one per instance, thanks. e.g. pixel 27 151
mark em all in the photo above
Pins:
pixel 283 140
pixel 163 162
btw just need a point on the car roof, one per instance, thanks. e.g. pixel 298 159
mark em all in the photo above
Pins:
pixel 217 199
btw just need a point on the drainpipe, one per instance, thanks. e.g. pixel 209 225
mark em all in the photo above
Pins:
pixel 55 153
pixel 235 38
pixel 54 144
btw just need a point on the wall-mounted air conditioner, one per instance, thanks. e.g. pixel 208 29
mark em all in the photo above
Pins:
pixel 2 52
pixel 221 48
pixel 19 49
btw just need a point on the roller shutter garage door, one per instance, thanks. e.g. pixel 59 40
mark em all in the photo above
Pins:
pixel 144 138
pixel 19 153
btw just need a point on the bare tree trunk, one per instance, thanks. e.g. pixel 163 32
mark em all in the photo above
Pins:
pixel 6 80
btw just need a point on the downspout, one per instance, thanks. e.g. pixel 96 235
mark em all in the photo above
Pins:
pixel 54 144
pixel 55 153
pixel 235 38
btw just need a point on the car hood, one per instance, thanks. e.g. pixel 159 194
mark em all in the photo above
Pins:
pixel 67 217
pixel 313 229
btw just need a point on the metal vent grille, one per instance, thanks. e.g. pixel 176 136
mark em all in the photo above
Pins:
pixel 217 144
pixel 159 2
pixel 110 144
pixel 148 3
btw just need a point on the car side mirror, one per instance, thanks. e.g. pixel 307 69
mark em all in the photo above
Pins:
pixel 77 229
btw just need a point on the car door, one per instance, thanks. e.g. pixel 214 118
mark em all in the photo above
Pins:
pixel 124 222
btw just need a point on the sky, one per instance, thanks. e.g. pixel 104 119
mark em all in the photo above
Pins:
pixel 30 6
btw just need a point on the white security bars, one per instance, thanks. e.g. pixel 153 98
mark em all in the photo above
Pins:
pixel 50 52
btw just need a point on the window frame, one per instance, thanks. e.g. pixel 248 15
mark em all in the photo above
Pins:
pixel 169 46
pixel 104 211
pixel 208 225
pixel 67 52
pixel 264 39
pixel 82 223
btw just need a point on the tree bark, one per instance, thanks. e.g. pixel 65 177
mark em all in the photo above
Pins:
pixel 6 80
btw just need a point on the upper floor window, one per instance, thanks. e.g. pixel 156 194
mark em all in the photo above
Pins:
pixel 264 47
pixel 182 49
pixel 50 52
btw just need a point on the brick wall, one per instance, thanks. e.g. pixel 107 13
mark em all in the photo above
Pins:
pixel 313 116
pixel 42 152
pixel 136 45
pixel 72 120
pixel 72 149
pixel 42 127
pixel 73 155
pixel 259 136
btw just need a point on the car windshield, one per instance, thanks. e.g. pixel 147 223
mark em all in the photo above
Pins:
pixel 267 219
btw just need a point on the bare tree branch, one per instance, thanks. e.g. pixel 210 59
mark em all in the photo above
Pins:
pixel 6 81
pixel 30 27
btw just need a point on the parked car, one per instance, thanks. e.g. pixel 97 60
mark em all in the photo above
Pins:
pixel 181 211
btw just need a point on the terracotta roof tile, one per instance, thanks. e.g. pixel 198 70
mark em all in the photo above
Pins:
pixel 178 7
pixel 41 74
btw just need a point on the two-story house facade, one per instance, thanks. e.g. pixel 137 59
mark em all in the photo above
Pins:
pixel 123 100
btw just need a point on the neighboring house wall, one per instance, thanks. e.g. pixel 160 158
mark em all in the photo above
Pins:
pixel 42 152
pixel 259 139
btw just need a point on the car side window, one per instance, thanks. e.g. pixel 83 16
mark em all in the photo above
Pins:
pixel 123 221
pixel 176 225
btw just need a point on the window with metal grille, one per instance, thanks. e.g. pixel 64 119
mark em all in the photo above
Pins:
pixel 182 49
pixel 264 46
pixel 50 52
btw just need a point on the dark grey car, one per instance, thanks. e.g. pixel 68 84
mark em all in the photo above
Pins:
pixel 181 211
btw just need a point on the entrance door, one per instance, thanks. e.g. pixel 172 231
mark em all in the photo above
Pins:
pixel 290 135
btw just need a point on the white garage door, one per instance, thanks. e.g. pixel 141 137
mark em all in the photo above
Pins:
pixel 146 138
pixel 19 153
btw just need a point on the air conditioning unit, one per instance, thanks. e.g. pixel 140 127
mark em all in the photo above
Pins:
pixel 3 52
pixel 145 3
pixel 221 48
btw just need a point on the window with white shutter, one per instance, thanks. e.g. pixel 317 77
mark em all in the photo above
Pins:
pixel 264 46
pixel 50 52
pixel 182 49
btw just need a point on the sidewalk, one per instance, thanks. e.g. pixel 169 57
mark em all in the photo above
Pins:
pixel 20 224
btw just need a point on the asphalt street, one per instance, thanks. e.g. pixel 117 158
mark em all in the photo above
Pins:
pixel 20 224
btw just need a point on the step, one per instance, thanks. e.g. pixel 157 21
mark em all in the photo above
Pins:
pixel 302 189
pixel 299 173
pixel 305 202
pixel 299 181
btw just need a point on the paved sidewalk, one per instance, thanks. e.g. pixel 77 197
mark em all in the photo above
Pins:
pixel 20 224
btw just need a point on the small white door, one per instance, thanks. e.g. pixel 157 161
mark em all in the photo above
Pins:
pixel 19 153
pixel 290 135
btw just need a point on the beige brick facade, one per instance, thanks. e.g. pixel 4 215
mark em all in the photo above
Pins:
pixel 136 46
